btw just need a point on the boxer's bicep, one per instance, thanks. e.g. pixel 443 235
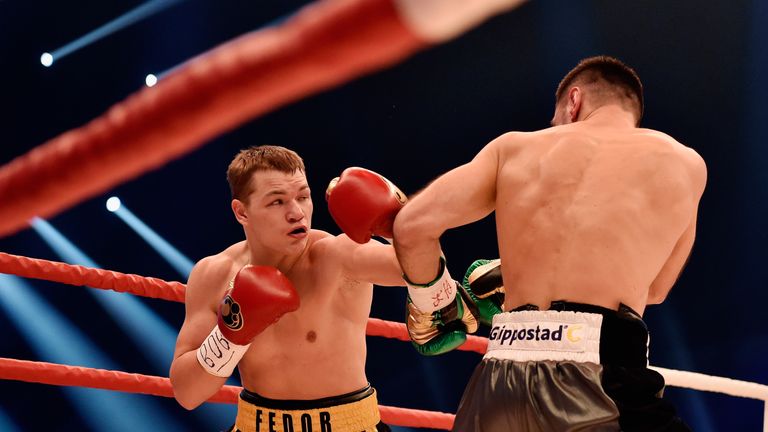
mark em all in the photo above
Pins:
pixel 674 265
pixel 371 262
pixel 199 305
pixel 678 259
pixel 458 197
pixel 376 263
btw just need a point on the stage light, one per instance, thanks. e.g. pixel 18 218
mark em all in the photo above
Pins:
pixel 150 80
pixel 173 256
pixel 54 338
pixel 113 204
pixel 46 59
pixel 137 14
pixel 7 424
pixel 153 334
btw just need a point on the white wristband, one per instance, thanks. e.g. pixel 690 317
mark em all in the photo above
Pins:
pixel 435 295
pixel 218 355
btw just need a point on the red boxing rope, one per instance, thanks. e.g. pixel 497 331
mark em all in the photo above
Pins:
pixel 325 44
pixel 395 330
pixel 94 278
pixel 63 375
pixel 158 288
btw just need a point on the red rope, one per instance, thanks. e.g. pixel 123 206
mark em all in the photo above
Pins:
pixel 395 330
pixel 158 288
pixel 416 418
pixel 325 44
pixel 94 278
pixel 63 375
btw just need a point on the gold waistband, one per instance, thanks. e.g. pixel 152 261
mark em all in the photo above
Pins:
pixel 358 416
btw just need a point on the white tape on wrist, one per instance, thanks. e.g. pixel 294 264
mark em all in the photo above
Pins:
pixel 435 295
pixel 218 355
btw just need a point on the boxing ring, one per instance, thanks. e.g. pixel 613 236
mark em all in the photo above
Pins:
pixel 325 44
pixel 63 375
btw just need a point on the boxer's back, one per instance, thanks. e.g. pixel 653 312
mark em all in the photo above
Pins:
pixel 590 214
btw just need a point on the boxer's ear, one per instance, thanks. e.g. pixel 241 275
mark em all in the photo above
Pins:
pixel 238 208
pixel 574 103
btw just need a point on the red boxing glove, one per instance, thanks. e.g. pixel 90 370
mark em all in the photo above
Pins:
pixel 364 204
pixel 259 296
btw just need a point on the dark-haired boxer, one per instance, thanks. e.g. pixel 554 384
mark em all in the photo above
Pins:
pixel 595 218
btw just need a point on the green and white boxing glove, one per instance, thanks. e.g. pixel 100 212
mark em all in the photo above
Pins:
pixel 485 286
pixel 437 319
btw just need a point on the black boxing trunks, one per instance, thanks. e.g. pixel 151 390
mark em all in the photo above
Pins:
pixel 352 412
pixel 574 367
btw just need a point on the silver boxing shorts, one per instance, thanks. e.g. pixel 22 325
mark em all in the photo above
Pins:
pixel 574 367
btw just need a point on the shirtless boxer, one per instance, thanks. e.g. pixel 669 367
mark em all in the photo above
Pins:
pixel 288 305
pixel 595 219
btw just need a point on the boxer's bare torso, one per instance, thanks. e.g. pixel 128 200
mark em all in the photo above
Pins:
pixel 317 351
pixel 595 214
pixel 596 211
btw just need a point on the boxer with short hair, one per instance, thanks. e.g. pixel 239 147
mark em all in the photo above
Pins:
pixel 595 218
pixel 288 306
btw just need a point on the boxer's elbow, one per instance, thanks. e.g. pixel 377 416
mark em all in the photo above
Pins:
pixel 413 227
pixel 656 298
pixel 186 399
pixel 184 390
pixel 401 228
pixel 188 404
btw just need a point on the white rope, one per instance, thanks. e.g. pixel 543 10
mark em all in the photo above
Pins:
pixel 710 383
pixel 697 381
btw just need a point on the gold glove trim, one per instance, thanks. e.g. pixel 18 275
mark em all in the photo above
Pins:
pixel 422 326
pixel 482 271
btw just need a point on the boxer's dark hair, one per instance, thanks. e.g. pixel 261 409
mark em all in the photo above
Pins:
pixel 607 78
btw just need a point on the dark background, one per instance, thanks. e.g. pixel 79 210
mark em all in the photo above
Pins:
pixel 703 65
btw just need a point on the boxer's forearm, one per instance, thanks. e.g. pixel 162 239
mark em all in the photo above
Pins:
pixel 192 385
pixel 417 246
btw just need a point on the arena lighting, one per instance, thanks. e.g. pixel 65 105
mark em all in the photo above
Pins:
pixel 46 59
pixel 137 14
pixel 113 203
pixel 155 337
pixel 150 80
pixel 54 338
pixel 7 424
pixel 176 259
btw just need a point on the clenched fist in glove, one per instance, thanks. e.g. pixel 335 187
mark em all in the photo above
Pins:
pixel 438 319
pixel 485 286
pixel 364 204
pixel 259 296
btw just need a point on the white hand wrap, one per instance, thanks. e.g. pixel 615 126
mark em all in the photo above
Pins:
pixel 218 356
pixel 435 295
